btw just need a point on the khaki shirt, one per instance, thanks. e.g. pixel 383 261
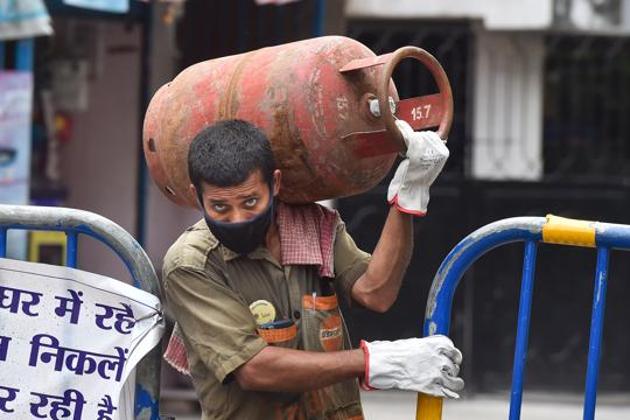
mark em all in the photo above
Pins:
pixel 209 290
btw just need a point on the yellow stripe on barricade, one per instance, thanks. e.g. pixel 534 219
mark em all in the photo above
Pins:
pixel 563 231
pixel 428 407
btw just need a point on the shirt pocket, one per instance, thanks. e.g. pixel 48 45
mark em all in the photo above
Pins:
pixel 280 337
pixel 322 324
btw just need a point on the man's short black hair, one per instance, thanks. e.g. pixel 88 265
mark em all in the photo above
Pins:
pixel 227 153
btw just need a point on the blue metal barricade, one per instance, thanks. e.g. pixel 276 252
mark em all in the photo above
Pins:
pixel 76 222
pixel 531 230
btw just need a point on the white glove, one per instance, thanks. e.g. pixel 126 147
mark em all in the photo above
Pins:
pixel 424 160
pixel 429 365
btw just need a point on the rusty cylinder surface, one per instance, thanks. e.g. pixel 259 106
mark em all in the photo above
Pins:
pixel 296 95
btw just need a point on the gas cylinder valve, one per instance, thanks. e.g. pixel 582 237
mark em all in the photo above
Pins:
pixel 375 110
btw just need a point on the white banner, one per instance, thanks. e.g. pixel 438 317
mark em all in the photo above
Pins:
pixel 69 340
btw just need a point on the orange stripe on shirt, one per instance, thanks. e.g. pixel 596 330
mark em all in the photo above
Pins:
pixel 278 335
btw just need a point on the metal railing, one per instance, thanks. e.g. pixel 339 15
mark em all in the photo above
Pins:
pixel 531 230
pixel 79 222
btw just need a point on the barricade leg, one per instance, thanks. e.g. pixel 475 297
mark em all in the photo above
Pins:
pixel 597 329
pixel 3 242
pixel 428 407
pixel 72 242
pixel 522 332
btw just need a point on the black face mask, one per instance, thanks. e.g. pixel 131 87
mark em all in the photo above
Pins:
pixel 242 237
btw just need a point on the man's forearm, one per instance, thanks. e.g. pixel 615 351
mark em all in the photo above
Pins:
pixel 279 369
pixel 378 287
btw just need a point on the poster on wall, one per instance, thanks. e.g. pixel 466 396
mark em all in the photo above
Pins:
pixel 274 2
pixel 16 98
pixel 70 341
pixel 23 19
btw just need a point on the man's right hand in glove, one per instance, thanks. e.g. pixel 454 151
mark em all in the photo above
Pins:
pixel 429 365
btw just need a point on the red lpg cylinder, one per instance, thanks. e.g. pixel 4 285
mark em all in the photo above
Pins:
pixel 327 105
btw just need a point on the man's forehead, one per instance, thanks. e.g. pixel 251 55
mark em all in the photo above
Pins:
pixel 254 184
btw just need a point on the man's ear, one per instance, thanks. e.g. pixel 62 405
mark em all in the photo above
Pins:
pixel 277 180
pixel 193 191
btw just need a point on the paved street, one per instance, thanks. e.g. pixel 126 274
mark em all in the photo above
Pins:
pixel 537 406
pixel 400 405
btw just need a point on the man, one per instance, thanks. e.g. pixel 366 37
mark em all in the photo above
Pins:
pixel 262 330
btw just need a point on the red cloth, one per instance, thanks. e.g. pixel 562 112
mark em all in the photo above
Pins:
pixel 307 237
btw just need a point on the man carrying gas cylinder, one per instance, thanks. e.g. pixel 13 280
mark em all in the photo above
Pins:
pixel 254 288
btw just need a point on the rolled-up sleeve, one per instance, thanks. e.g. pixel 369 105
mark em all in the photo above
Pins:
pixel 350 262
pixel 214 320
